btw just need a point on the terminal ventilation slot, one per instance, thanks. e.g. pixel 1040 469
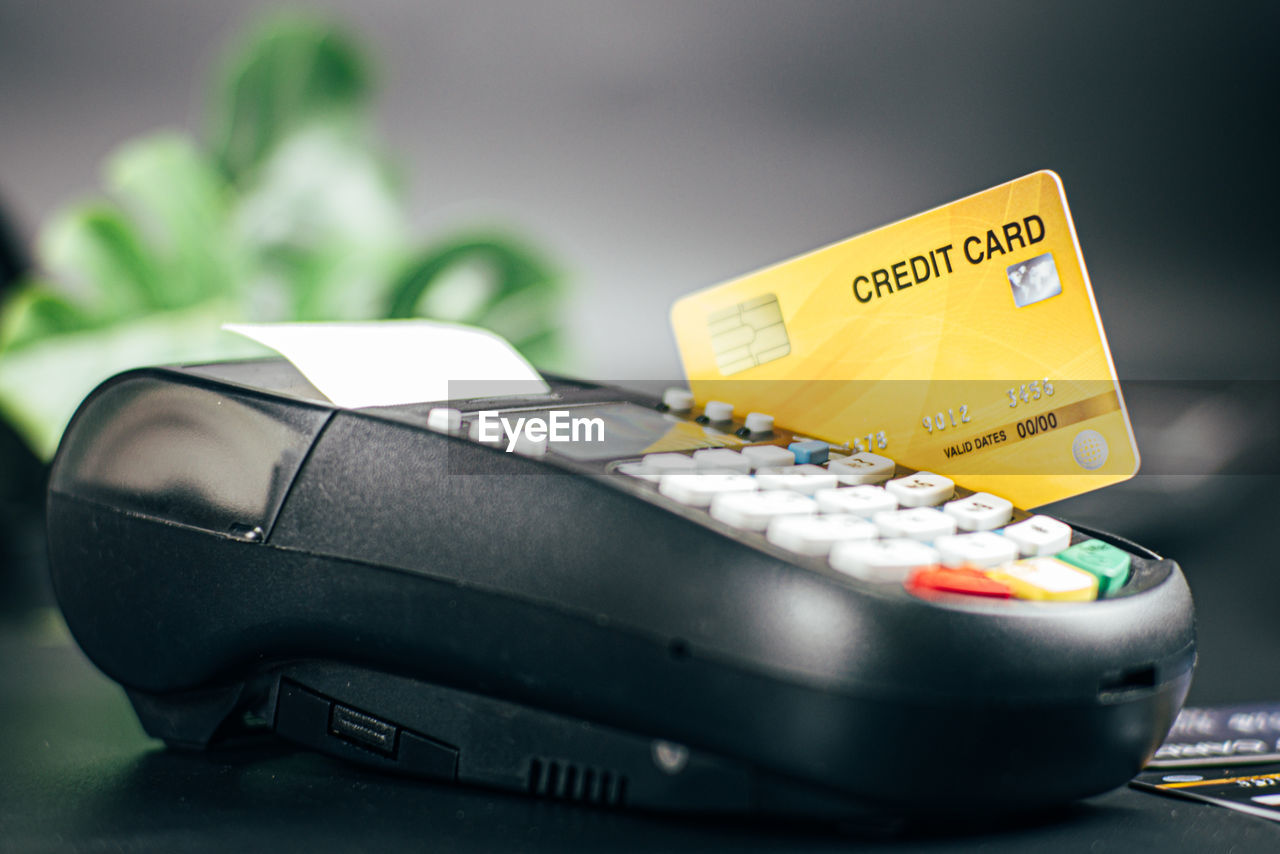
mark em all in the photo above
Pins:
pixel 571 781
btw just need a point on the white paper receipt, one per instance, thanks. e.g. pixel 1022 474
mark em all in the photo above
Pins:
pixel 394 362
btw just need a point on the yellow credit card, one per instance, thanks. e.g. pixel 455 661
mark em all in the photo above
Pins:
pixel 964 340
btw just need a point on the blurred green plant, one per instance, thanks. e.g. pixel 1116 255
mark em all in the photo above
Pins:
pixel 290 212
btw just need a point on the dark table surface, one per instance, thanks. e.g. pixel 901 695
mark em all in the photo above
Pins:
pixel 77 773
pixel 80 775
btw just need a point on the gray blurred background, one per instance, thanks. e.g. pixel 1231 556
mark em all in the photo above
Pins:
pixel 656 148
pixel 660 147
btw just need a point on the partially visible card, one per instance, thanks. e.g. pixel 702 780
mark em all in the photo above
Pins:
pixel 964 341
pixel 1221 735
pixel 1256 792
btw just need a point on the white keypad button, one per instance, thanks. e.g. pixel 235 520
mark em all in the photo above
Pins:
pixel 444 420
pixel 981 511
pixel 527 447
pixel 882 560
pixel 814 535
pixel 768 456
pixel 983 549
pixel 922 489
pixel 637 470
pixel 1040 535
pixel 859 500
pixel 668 463
pixel 697 490
pixel 806 479
pixel 718 410
pixel 754 510
pixel 916 523
pixel 496 438
pixel 862 468
pixel 758 422
pixel 721 460
pixel 678 399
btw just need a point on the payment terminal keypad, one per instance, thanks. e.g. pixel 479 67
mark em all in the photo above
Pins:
pixel 869 518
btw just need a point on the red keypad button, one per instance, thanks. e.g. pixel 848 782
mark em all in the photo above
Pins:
pixel 967 580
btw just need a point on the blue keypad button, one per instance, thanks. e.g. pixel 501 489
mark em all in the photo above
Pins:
pixel 812 451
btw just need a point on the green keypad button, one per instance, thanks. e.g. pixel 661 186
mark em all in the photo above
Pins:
pixel 1108 563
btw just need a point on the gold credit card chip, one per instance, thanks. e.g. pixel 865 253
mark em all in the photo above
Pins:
pixel 748 334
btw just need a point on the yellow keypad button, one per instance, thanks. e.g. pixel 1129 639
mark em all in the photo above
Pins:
pixel 1047 579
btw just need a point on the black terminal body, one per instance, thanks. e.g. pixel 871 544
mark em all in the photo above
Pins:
pixel 238 552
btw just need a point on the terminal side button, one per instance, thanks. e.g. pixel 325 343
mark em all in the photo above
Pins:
pixel 364 730
pixel 321 722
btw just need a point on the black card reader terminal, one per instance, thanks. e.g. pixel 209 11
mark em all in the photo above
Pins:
pixel 701 611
